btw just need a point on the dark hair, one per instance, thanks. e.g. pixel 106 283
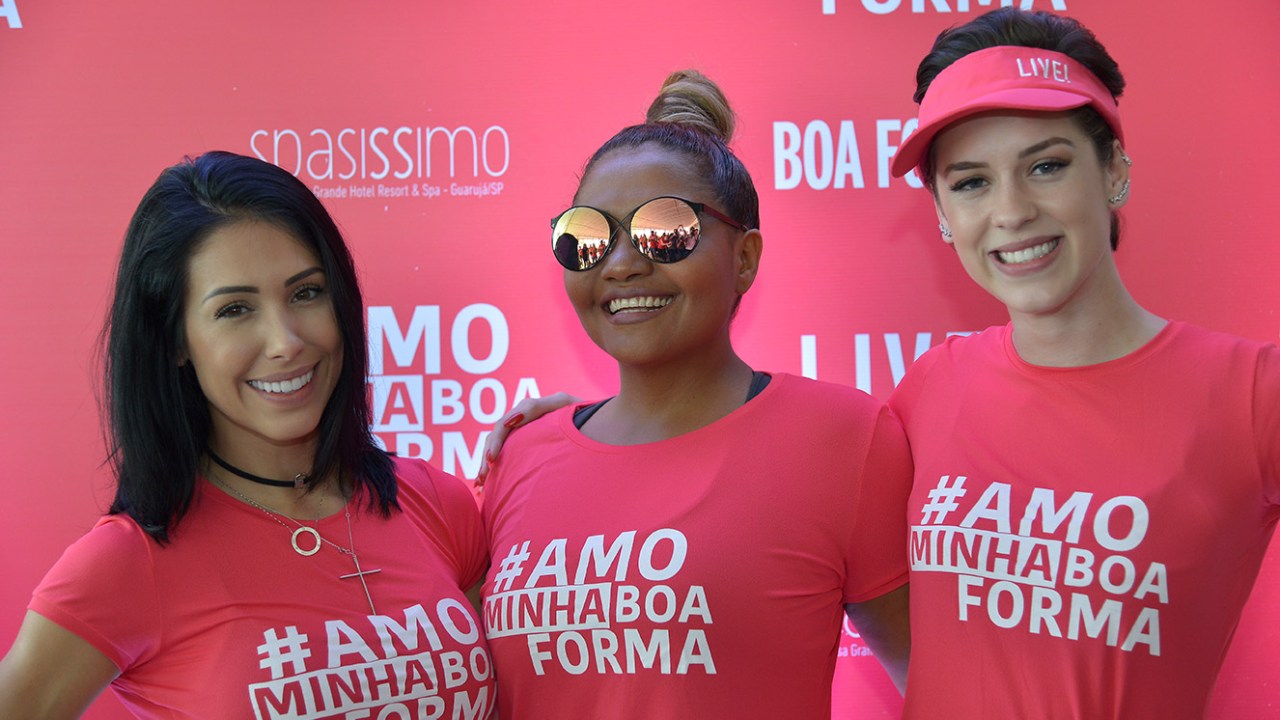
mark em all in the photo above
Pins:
pixel 158 420
pixel 691 116
pixel 1040 29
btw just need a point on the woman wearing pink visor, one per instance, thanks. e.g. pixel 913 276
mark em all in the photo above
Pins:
pixel 1087 519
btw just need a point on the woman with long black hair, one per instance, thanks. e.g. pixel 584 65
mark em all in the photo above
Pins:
pixel 262 557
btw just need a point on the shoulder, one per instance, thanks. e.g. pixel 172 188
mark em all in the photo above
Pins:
pixel 966 354
pixel 840 417
pixel 964 348
pixel 1221 359
pixel 115 540
pixel 423 486
pixel 1228 360
pixel 817 396
pixel 537 442
pixel 115 555
pixel 1189 338
pixel 443 509
pixel 113 563
pixel 549 428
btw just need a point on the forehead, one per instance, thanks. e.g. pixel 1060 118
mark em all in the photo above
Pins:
pixel 627 177
pixel 996 135
pixel 248 249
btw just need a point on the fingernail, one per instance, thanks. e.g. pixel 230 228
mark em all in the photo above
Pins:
pixel 513 421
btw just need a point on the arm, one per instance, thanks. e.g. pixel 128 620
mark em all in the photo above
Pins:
pixel 882 623
pixel 881 539
pixel 51 672
pixel 525 412
pixel 473 595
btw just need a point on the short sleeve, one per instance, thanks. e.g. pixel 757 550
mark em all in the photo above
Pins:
pixel 907 393
pixel 460 533
pixel 1266 420
pixel 879 542
pixel 103 589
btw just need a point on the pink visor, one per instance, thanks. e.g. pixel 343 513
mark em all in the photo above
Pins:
pixel 1007 77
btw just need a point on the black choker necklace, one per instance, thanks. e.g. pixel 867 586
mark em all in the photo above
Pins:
pixel 298 481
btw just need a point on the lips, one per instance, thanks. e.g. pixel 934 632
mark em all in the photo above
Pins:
pixel 646 303
pixel 284 386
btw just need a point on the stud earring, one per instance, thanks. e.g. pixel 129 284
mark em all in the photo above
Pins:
pixel 946 231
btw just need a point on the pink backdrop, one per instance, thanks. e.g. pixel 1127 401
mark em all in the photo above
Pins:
pixel 467 308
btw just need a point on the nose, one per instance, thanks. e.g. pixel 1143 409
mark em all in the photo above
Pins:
pixel 1013 205
pixel 282 339
pixel 624 261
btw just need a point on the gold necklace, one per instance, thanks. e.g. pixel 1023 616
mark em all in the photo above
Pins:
pixel 317 538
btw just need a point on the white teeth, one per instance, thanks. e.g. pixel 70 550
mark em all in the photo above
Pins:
pixel 1028 254
pixel 287 386
pixel 638 304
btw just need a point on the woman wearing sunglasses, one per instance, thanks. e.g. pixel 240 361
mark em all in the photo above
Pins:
pixel 1095 486
pixel 687 548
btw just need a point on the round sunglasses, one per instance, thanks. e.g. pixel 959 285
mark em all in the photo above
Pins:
pixel 664 229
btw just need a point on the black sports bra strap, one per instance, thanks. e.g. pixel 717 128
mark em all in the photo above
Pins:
pixel 759 381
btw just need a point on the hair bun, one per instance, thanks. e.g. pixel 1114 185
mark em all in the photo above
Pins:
pixel 690 98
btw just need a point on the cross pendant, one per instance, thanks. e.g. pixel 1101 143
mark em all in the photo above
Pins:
pixel 359 574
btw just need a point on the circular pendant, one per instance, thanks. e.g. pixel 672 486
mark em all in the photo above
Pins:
pixel 315 538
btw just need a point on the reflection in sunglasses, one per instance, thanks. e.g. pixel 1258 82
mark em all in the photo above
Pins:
pixel 665 230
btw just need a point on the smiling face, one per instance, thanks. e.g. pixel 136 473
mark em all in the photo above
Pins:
pixel 1025 197
pixel 645 313
pixel 262 337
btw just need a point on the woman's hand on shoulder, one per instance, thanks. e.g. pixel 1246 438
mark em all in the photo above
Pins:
pixel 50 672
pixel 525 412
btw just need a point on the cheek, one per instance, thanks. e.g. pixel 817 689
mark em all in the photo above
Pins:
pixel 218 353
pixel 967 228
pixel 1098 212
pixel 955 215
pixel 712 283
pixel 198 352
pixel 577 288
pixel 332 332
pixel 965 247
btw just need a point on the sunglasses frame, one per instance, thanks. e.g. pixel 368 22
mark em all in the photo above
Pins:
pixel 625 226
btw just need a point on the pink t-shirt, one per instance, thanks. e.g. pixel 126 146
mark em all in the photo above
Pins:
pixel 1083 539
pixel 227 621
pixel 698 577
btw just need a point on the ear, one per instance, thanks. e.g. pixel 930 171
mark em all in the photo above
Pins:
pixel 942 221
pixel 1117 176
pixel 748 259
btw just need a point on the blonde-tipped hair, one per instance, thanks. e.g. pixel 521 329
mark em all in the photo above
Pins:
pixel 690 98
pixel 691 116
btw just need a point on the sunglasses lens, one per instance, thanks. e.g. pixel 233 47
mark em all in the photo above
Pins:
pixel 665 229
pixel 580 238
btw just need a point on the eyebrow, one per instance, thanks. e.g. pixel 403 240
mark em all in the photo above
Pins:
pixel 1026 152
pixel 231 289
